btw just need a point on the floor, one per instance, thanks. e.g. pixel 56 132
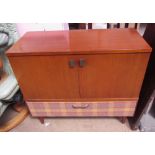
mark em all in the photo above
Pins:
pixel 67 124
pixel 73 124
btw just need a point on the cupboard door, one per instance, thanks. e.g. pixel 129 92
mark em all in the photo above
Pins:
pixel 46 77
pixel 112 75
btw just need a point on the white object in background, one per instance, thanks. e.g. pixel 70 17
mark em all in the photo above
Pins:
pixel 99 25
pixel 47 124
pixel 22 28
pixel 51 27
pixel 8 86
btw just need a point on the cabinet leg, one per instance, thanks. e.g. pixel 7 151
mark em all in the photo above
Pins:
pixel 41 119
pixel 133 127
pixel 123 119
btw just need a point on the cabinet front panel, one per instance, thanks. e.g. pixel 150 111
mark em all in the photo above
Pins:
pixel 112 75
pixel 46 77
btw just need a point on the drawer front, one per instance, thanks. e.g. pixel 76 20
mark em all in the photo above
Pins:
pixel 82 109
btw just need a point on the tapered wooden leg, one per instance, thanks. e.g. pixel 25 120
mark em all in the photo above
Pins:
pixel 133 127
pixel 123 119
pixel 41 119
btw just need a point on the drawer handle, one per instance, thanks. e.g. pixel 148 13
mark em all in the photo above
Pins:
pixel 82 62
pixel 72 63
pixel 76 106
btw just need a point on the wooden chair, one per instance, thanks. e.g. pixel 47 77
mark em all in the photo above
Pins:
pixel 109 25
pixel 125 25
pixel 73 26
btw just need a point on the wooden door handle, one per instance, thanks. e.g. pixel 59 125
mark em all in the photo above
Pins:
pixel 81 106
pixel 72 63
pixel 82 62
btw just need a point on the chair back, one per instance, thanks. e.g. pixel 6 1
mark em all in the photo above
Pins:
pixel 108 25
pixel 122 25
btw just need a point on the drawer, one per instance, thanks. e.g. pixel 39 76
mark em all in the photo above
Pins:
pixel 82 109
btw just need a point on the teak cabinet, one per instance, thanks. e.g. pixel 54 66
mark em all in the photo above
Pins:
pixel 80 72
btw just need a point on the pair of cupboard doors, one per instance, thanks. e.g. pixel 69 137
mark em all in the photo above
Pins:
pixel 87 76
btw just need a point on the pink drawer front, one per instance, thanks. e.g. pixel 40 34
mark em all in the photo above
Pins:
pixel 82 109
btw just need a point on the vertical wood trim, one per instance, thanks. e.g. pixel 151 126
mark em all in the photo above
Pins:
pixel 82 25
pixel 118 25
pixel 136 25
pixel 126 25
pixel 89 25
pixel 108 25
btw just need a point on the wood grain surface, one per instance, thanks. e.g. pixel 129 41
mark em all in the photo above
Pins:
pixel 103 76
pixel 79 41
pixel 112 75
pixel 45 77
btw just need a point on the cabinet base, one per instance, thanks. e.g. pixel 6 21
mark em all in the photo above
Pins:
pixel 82 109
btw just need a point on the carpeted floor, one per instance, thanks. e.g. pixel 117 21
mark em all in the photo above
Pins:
pixel 72 124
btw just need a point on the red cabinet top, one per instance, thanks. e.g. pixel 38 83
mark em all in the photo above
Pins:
pixel 79 41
